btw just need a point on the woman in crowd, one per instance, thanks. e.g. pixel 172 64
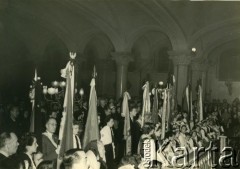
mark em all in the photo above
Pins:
pixel 28 146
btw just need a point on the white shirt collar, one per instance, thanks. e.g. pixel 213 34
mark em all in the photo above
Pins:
pixel 49 134
pixel 4 153
pixel 33 165
pixel 29 156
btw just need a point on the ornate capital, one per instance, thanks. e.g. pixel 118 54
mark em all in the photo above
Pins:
pixel 181 57
pixel 122 58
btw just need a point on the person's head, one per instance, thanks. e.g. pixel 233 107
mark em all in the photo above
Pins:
pixel 210 122
pixel 28 143
pixel 75 127
pixel 235 116
pixel 47 164
pixel 9 143
pixel 75 159
pixel 133 111
pixel 109 121
pixel 97 148
pixel 110 105
pixel 128 160
pixel 188 136
pixel 107 111
pixel 183 129
pixel 14 112
pixel 185 115
pixel 102 103
pixel 194 134
pixel 53 114
pixel 51 125
pixel 148 129
pixel 113 109
pixel 169 135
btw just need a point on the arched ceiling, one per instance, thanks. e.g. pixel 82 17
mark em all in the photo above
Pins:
pixel 186 24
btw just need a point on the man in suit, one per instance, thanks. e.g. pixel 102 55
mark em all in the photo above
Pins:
pixel 76 139
pixel 12 122
pixel 8 146
pixel 50 148
pixel 136 133
pixel 101 111
pixel 133 125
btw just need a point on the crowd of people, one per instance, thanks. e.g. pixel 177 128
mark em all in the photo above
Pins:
pixel 20 149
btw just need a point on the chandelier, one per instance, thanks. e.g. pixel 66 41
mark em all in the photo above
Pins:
pixel 55 94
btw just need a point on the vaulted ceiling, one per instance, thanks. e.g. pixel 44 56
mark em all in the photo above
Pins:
pixel 29 26
pixel 29 29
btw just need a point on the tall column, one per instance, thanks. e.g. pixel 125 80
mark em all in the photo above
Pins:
pixel 181 61
pixel 122 60
pixel 199 71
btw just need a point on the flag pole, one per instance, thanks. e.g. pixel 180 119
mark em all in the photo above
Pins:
pixel 127 127
pixel 164 114
pixel 91 128
pixel 33 100
pixel 66 129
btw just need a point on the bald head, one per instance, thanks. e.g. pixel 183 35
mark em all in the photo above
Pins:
pixel 9 143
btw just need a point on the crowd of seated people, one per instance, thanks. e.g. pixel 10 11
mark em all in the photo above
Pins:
pixel 20 149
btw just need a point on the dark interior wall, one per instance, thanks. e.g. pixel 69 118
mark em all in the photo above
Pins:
pixel 229 62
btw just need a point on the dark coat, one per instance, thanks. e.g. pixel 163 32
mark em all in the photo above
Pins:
pixel 24 157
pixel 136 135
pixel 48 149
pixel 2 157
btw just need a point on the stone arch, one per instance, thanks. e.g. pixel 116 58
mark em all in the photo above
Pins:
pixel 118 42
pixel 145 56
pixel 166 23
pixel 91 34
pixel 203 55
pixel 97 50
pixel 215 35
pixel 213 55
pixel 211 28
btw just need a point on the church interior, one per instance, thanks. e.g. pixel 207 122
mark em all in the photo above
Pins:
pixel 166 70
